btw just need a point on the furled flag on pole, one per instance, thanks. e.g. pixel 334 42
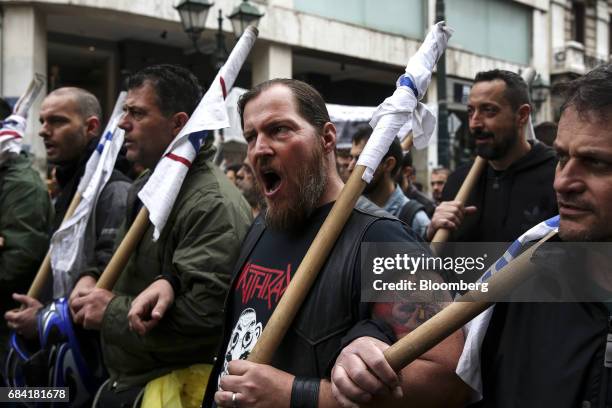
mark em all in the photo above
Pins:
pixel 14 127
pixel 68 242
pixel 402 112
pixel 160 192
pixel 528 76
pixel 468 368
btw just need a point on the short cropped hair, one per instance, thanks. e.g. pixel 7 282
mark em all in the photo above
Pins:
pixel 441 170
pixel 395 149
pixel 310 103
pixel 362 133
pixel 177 89
pixel 86 103
pixel 406 160
pixel 517 91
pixel 590 93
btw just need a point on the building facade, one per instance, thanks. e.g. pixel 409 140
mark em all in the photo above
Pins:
pixel 352 51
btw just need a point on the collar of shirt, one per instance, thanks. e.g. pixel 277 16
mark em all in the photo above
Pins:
pixel 395 203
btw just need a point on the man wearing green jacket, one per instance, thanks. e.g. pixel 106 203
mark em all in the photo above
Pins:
pixel 25 217
pixel 194 253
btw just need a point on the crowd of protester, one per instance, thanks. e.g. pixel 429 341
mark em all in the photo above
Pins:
pixel 193 302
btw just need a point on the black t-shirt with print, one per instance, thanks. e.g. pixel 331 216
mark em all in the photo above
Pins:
pixel 265 275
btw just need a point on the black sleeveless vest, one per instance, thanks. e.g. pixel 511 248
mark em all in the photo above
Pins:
pixel 329 311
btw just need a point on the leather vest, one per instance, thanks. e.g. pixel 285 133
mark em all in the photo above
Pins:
pixel 330 310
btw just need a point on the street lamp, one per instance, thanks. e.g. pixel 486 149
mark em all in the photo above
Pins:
pixel 244 15
pixel 539 92
pixel 193 15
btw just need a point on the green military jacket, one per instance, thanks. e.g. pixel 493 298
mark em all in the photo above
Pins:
pixel 199 245
pixel 25 219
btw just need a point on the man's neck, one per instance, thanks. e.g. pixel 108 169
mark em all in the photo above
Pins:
pixel 519 150
pixel 332 190
pixel 381 195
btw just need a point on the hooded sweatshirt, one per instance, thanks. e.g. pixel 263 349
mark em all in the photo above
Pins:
pixel 508 202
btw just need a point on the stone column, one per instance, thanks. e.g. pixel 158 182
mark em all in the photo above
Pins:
pixel 271 61
pixel 541 57
pixel 24 53
pixel 603 31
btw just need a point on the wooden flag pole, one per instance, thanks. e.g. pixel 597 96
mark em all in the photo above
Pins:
pixel 44 272
pixel 121 256
pixel 457 314
pixel 470 181
pixel 406 143
pixel 309 268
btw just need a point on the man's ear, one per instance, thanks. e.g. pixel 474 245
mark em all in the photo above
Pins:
pixel 179 120
pixel 523 114
pixel 328 139
pixel 389 164
pixel 92 124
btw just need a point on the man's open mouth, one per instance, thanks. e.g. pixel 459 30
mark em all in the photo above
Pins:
pixel 271 181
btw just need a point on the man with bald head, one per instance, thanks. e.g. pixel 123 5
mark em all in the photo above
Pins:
pixel 70 121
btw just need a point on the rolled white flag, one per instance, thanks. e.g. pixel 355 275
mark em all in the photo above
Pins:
pixel 402 112
pixel 528 76
pixel 14 127
pixel 160 192
pixel 68 242
pixel 111 132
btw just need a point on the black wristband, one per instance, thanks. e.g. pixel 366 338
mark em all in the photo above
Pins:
pixel 305 392
pixel 172 280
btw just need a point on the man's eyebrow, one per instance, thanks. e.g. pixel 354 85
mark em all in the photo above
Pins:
pixel 248 132
pixel 593 152
pixel 271 122
pixel 132 106
pixel 54 117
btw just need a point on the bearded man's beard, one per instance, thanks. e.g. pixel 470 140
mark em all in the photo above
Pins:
pixel 311 181
pixel 499 148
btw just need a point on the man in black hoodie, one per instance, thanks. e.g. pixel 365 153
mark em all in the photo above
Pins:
pixel 515 192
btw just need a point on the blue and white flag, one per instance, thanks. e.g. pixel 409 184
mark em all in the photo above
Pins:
pixel 68 242
pixel 402 112
pixel 160 192
pixel 469 367
pixel 11 135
